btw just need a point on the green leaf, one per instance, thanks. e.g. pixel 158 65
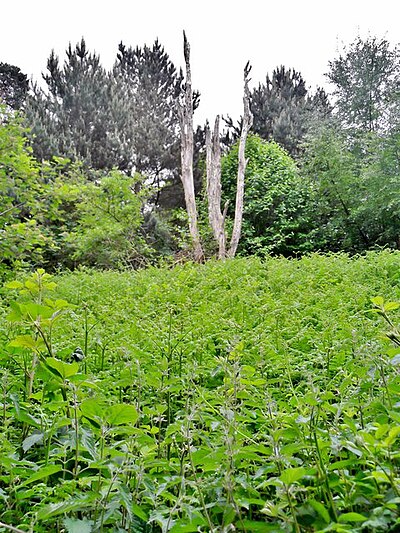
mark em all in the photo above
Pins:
pixel 121 414
pixel 14 285
pixel 30 441
pixel 16 312
pixel 352 517
pixel 26 341
pixel 125 496
pixel 73 504
pixel 291 475
pixel 378 301
pixel 380 476
pixel 252 525
pixel 23 416
pixel 74 525
pixel 139 512
pixel 340 465
pixel 43 472
pixel 60 368
pixel 393 434
pixel 183 526
pixel 35 310
pixel 94 411
pixel 390 306
pixel 319 507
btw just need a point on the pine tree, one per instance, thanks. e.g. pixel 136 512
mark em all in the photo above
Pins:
pixel 283 109
pixel 74 116
pixel 14 86
pixel 148 82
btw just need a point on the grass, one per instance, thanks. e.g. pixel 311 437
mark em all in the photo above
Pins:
pixel 245 395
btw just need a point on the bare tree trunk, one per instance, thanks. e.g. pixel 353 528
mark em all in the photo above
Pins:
pixel 185 109
pixel 216 218
pixel 242 162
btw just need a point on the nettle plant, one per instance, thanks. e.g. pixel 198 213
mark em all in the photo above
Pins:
pixel 261 416
pixel 63 445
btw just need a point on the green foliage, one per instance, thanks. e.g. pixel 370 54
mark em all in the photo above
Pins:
pixel 333 177
pixel 74 117
pixel 273 201
pixel 125 118
pixel 366 78
pixel 20 189
pixel 247 394
pixel 55 214
pixel 283 109
pixel 109 217
pixel 149 82
pixel 378 207
pixel 14 86
pixel 353 190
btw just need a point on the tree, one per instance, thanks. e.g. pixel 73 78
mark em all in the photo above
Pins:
pixel 336 190
pixel 283 109
pixel 21 239
pixel 214 189
pixel 150 85
pixel 366 80
pixel 278 108
pixel 125 119
pixel 185 110
pixel 378 207
pixel 107 232
pixel 74 117
pixel 14 86
pixel 216 218
pixel 274 198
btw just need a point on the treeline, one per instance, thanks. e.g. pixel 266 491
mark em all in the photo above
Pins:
pixel 90 162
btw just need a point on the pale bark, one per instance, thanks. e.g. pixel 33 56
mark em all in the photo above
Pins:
pixel 242 162
pixel 216 218
pixel 185 109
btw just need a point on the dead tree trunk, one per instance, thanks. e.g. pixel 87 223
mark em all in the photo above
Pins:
pixel 216 217
pixel 213 163
pixel 185 110
pixel 242 162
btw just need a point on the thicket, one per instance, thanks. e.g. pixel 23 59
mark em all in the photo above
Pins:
pixel 262 396
pixel 57 214
pixel 100 185
pixel 249 395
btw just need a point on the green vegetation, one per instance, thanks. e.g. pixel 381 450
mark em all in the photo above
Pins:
pixel 274 200
pixel 90 165
pixel 55 214
pixel 248 395
pixel 262 396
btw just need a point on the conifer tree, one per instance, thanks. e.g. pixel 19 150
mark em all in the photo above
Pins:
pixel 283 109
pixel 147 81
pixel 73 117
pixel 14 86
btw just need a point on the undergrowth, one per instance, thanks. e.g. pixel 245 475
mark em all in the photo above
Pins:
pixel 233 396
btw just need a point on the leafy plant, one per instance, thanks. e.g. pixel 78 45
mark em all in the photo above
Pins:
pixel 253 395
pixel 274 198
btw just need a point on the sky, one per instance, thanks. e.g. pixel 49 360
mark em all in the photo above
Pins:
pixel 223 34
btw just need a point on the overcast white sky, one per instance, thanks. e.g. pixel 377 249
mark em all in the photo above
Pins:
pixel 302 34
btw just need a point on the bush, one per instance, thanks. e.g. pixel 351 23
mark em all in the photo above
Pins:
pixel 274 199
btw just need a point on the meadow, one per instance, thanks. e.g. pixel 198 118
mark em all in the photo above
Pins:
pixel 247 395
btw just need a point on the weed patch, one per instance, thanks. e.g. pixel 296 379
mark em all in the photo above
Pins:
pixel 239 395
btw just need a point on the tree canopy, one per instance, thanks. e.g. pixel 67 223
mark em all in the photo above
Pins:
pixel 66 146
pixel 366 81
pixel 14 86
